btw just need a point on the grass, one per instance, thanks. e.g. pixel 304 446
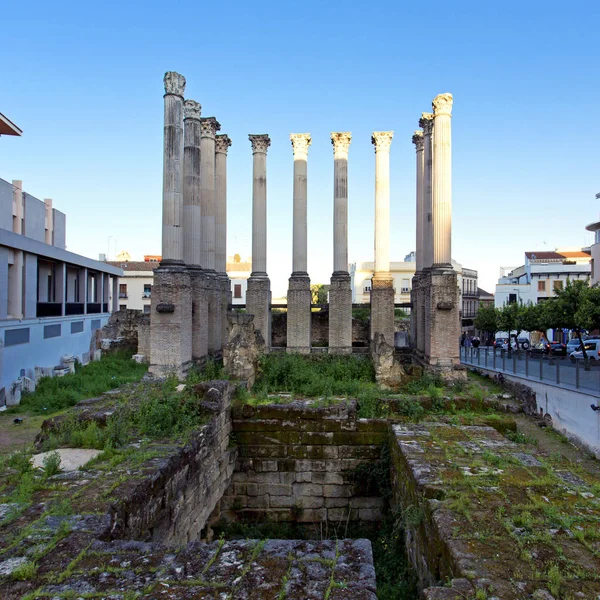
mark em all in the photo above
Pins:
pixel 54 394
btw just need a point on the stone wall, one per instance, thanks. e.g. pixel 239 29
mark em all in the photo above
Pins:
pixel 174 505
pixel 124 324
pixel 296 462
pixel 319 330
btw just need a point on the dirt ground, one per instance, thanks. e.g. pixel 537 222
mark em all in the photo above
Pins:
pixel 15 437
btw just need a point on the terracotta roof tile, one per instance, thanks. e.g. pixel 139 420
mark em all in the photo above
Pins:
pixel 133 265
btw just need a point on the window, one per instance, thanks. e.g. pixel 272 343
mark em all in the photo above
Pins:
pixel 237 290
pixel 76 326
pixel 147 291
pixel 96 323
pixel 122 306
pixel 12 337
pixel 558 284
pixel 147 309
pixel 122 290
pixel 404 289
pixel 51 331
pixel 512 298
pixel 367 289
pixel 541 286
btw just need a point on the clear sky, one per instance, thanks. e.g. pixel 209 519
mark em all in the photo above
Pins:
pixel 84 82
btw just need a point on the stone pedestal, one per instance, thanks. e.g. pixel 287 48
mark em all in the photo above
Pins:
pixel 225 298
pixel 382 307
pixel 199 313
pixel 214 305
pixel 340 314
pixel 171 329
pixel 258 303
pixel 299 314
pixel 442 322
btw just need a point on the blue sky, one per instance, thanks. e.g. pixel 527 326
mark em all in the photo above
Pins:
pixel 84 82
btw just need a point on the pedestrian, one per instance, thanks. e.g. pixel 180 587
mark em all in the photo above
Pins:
pixel 476 342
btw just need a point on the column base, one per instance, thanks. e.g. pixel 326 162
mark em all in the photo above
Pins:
pixel 225 299
pixel 258 303
pixel 213 294
pixel 382 307
pixel 199 313
pixel 171 321
pixel 299 302
pixel 440 298
pixel 340 314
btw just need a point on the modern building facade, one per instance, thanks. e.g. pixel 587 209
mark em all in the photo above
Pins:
pixel 595 250
pixel 51 300
pixel 541 275
pixel 238 271
pixel 134 290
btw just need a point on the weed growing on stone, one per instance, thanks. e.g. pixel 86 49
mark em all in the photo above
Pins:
pixel 52 464
pixel 24 571
pixel 54 394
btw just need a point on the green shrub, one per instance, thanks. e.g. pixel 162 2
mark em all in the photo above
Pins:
pixel 24 571
pixel 52 464
pixel 53 394
pixel 409 407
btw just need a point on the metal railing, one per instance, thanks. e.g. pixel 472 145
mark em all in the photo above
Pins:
pixel 557 370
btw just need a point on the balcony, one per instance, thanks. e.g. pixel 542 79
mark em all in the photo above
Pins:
pixel 74 308
pixel 94 308
pixel 146 296
pixel 49 309
pixel 123 295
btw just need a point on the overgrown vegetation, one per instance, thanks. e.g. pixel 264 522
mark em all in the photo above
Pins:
pixel 54 394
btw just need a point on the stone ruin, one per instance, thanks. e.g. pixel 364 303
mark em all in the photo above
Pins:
pixel 191 294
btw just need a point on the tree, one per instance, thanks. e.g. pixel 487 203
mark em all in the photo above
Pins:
pixel 319 293
pixel 531 318
pixel 487 320
pixel 575 307
pixel 509 319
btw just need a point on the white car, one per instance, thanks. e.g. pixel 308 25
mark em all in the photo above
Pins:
pixel 572 346
pixel 592 347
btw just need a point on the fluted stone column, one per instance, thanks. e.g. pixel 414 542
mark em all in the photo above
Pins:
pixel 426 123
pixel 340 292
pixel 299 295
pixel 442 182
pixel 382 283
pixel 209 128
pixel 442 304
pixel 171 316
pixel 415 316
pixel 192 227
pixel 258 292
pixel 221 147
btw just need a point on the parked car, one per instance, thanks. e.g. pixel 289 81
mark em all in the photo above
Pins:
pixel 572 346
pixel 501 344
pixel 592 347
pixel 546 348
pixel 523 343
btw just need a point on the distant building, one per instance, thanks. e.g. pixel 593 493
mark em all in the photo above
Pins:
pixel 135 285
pixel 51 300
pixel 542 274
pixel 595 250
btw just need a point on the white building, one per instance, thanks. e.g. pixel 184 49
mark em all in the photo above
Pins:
pixel 51 300
pixel 135 285
pixel 238 272
pixel 595 250
pixel 542 274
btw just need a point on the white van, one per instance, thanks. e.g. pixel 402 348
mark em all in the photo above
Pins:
pixel 592 347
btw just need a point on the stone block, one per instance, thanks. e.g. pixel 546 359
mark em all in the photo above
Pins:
pixel 299 315
pixel 312 465
pixel 336 502
pixel 370 514
pixel 366 502
pixel 366 452
pixel 304 477
pixel 282 501
pixel 340 314
pixel 281 489
pixel 327 478
pixel 382 308
pixel 315 438
pixel 258 303
pixel 312 515
pixel 309 502
pixel 336 491
pixel 307 489
pixel 337 514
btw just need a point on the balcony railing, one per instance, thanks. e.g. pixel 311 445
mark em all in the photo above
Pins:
pixel 123 295
pixel 146 295
pixel 49 309
pixel 74 308
pixel 94 308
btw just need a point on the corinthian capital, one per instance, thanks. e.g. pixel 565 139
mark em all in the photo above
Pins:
pixel 417 140
pixel 382 140
pixel 222 143
pixel 260 142
pixel 426 123
pixel 300 143
pixel 209 127
pixel 174 83
pixel 191 109
pixel 442 105
pixel 341 141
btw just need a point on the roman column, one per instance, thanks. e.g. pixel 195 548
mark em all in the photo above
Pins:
pixel 171 316
pixel 209 127
pixel 299 295
pixel 442 304
pixel 258 293
pixel 426 123
pixel 192 226
pixel 442 182
pixel 382 283
pixel 222 145
pixel 415 317
pixel 340 292
pixel 172 239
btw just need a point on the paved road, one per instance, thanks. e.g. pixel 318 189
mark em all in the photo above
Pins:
pixel 558 371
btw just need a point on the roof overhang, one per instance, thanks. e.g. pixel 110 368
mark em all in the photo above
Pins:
pixel 593 226
pixel 7 127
